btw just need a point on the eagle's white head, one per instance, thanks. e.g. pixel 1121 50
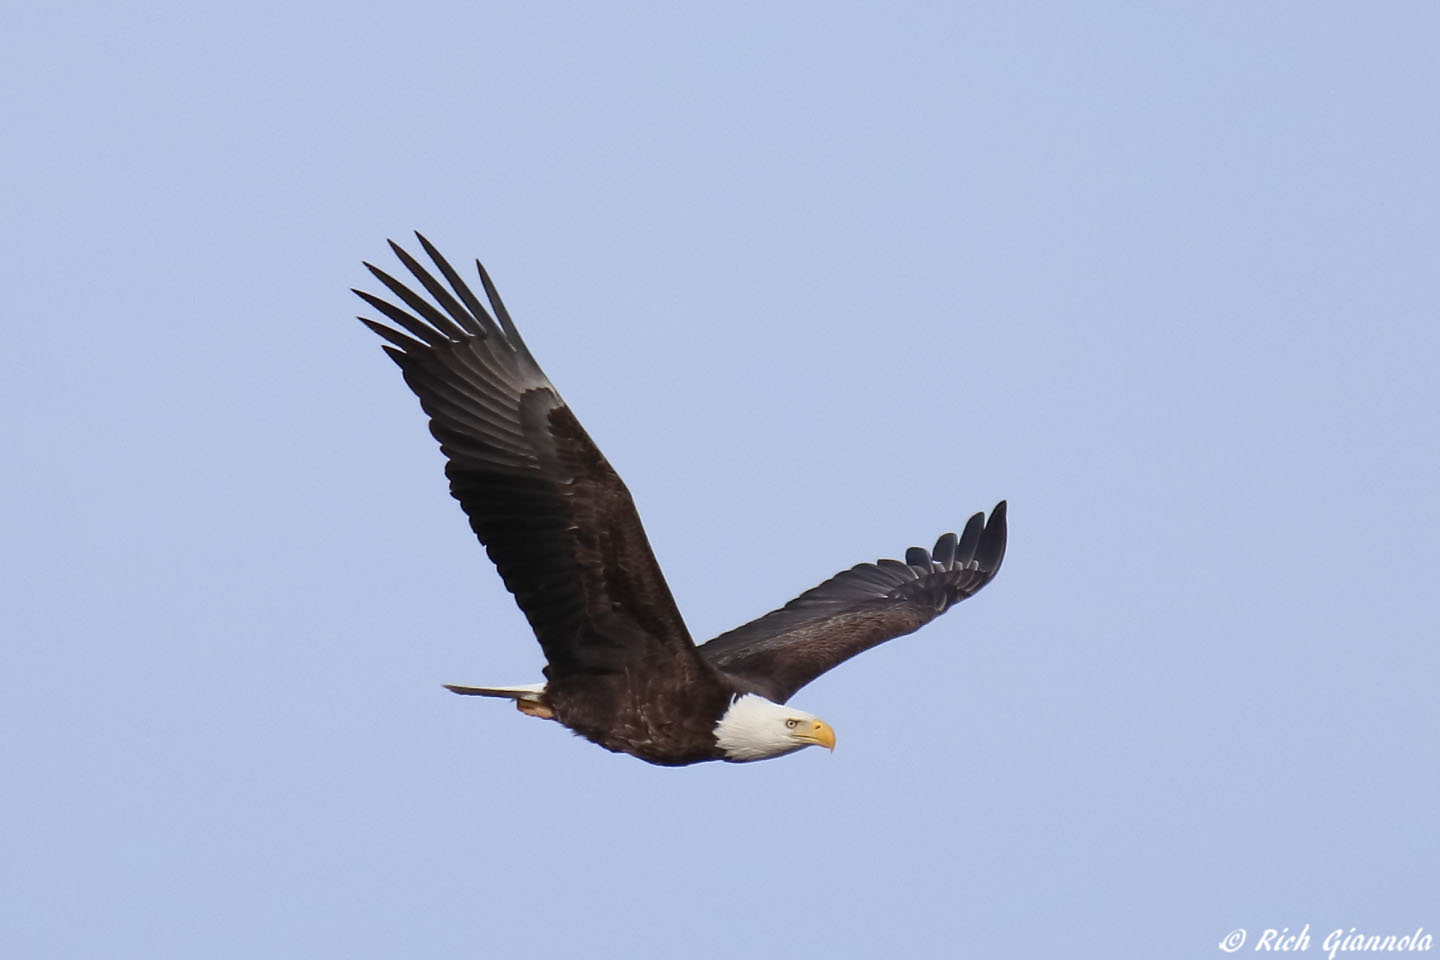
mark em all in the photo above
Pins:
pixel 757 729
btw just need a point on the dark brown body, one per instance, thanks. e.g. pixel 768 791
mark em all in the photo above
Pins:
pixel 643 713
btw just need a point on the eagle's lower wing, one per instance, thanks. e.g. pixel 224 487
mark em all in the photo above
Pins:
pixel 857 609
pixel 553 515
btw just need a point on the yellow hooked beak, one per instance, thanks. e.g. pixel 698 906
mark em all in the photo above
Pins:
pixel 817 732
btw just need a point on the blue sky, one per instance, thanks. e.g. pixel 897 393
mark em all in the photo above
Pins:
pixel 821 280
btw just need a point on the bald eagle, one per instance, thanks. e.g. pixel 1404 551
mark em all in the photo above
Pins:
pixel 561 528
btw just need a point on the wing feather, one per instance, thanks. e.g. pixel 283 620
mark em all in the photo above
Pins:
pixel 552 513
pixel 858 609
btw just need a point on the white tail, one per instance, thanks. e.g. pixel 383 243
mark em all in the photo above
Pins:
pixel 529 693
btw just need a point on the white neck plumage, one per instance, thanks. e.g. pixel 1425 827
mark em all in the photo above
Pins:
pixel 757 729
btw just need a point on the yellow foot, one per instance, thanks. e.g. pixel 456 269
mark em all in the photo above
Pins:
pixel 535 709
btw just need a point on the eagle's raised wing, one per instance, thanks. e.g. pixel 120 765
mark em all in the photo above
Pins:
pixel 858 609
pixel 553 515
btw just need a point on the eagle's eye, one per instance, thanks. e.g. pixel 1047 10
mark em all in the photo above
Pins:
pixel 791 723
